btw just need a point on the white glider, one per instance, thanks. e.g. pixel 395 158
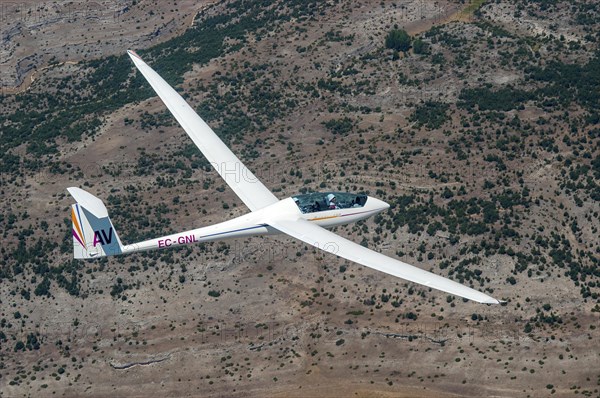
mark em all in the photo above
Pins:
pixel 303 217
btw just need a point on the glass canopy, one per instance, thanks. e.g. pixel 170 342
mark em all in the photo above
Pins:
pixel 321 201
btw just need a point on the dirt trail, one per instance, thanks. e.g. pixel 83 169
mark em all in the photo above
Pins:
pixel 455 13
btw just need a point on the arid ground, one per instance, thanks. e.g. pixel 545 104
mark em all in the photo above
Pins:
pixel 483 135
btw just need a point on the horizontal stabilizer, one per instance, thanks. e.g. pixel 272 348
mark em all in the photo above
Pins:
pixel 89 202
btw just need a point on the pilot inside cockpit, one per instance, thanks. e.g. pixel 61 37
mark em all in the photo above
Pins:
pixel 332 201
pixel 326 201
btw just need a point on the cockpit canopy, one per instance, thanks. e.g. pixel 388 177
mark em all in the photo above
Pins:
pixel 322 201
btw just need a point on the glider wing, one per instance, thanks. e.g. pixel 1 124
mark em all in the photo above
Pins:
pixel 243 182
pixel 335 244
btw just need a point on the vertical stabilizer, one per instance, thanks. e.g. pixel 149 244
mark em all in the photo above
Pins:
pixel 93 233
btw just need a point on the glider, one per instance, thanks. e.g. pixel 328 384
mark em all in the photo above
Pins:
pixel 304 217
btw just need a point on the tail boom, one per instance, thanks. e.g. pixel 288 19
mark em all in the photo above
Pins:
pixel 95 236
pixel 236 228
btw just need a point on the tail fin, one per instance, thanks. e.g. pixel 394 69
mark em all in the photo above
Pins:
pixel 93 233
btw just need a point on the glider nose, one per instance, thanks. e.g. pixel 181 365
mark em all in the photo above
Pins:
pixel 378 204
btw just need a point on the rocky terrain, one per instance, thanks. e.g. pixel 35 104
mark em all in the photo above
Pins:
pixel 483 135
pixel 40 35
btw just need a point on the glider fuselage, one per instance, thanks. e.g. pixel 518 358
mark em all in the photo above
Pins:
pixel 253 224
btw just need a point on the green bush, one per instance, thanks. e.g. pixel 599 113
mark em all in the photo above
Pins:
pixel 341 126
pixel 398 40
pixel 486 99
pixel 419 46
pixel 431 114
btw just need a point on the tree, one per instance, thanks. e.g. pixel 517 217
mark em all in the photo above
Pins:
pixel 419 46
pixel 20 346
pixel 431 114
pixel 398 40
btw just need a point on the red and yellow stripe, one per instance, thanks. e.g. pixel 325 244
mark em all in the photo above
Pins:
pixel 77 228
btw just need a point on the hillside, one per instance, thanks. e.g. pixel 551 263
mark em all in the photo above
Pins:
pixel 484 136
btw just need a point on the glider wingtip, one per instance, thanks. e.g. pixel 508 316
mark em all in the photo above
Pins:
pixel 492 300
pixel 134 55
